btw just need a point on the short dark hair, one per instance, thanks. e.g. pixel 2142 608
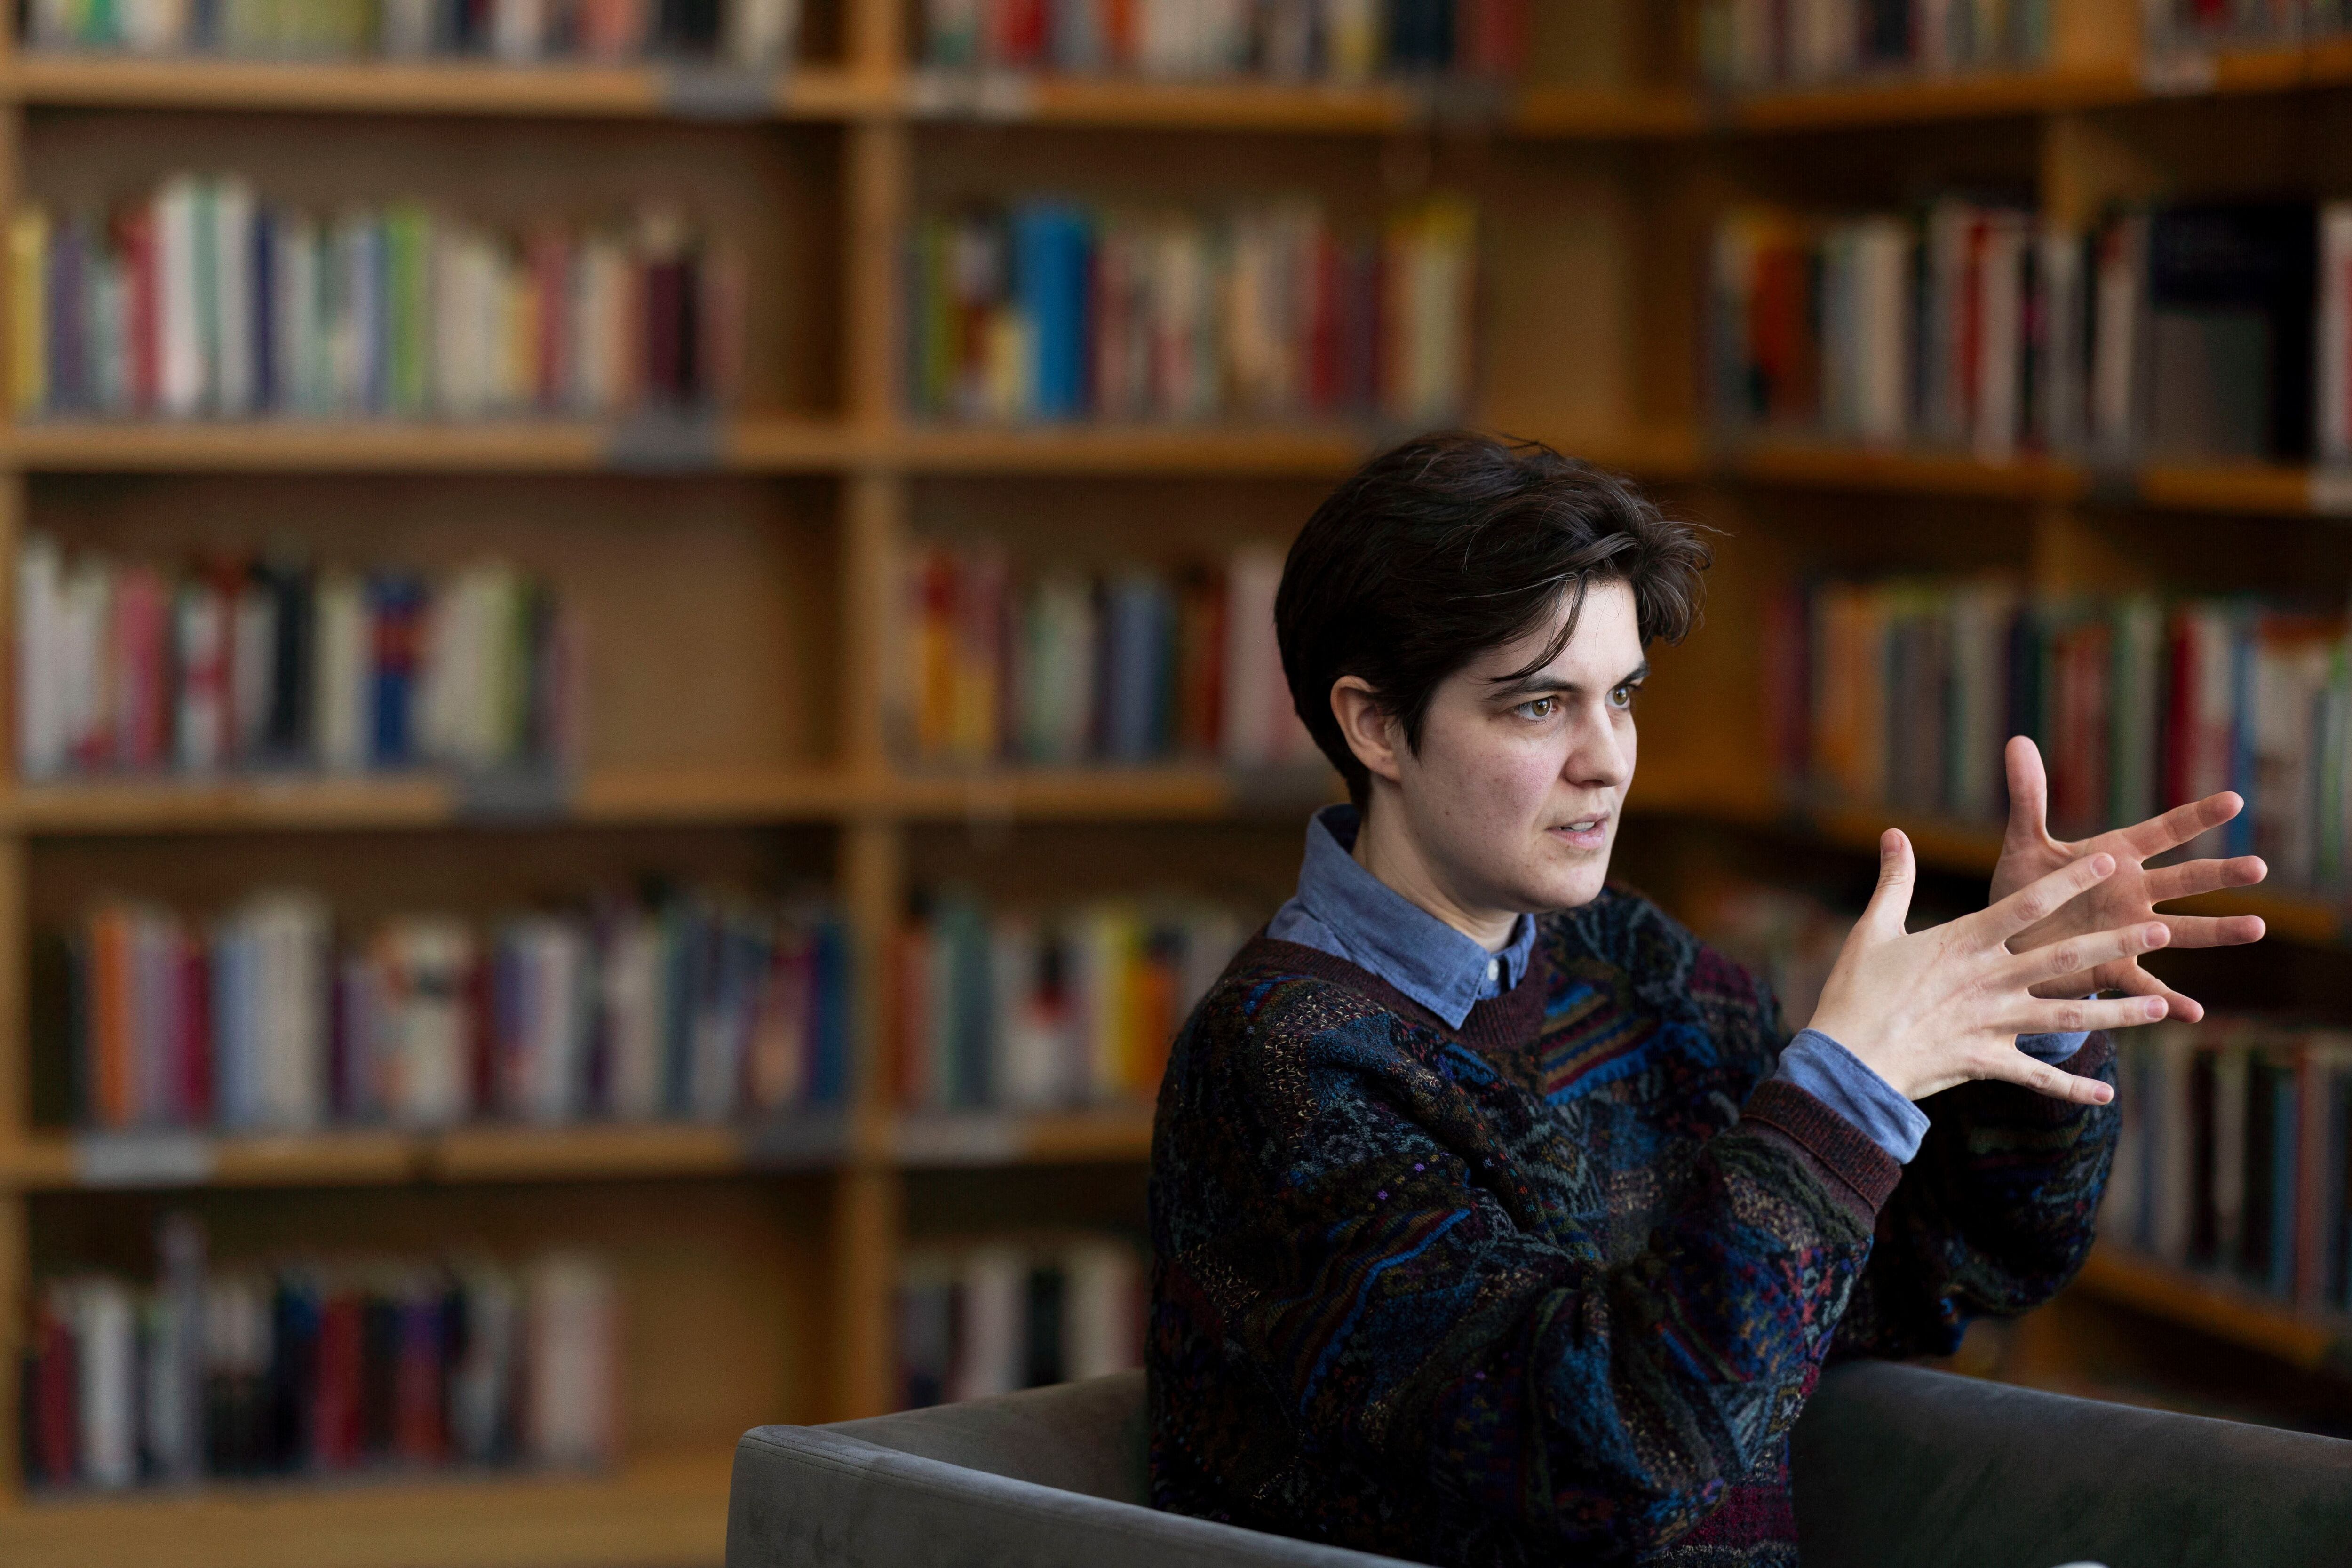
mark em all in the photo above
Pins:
pixel 1450 545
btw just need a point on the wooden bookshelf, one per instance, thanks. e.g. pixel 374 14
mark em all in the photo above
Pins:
pixel 2219 1307
pixel 740 573
pixel 667 1508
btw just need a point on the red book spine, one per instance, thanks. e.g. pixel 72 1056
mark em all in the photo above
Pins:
pixel 335 1413
pixel 138 244
pixel 550 267
pixel 58 1410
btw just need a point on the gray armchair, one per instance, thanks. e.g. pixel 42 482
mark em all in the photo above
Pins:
pixel 1896 1467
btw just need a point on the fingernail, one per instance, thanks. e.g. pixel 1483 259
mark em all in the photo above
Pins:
pixel 2102 864
pixel 2157 936
pixel 2106 1094
pixel 2153 1007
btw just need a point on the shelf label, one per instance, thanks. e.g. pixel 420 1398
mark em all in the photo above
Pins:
pixel 797 1140
pixel 2176 72
pixel 666 441
pixel 514 794
pixel 2331 491
pixel 143 1159
pixel 944 1140
pixel 719 92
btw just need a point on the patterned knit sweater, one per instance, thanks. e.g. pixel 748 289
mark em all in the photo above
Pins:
pixel 1551 1288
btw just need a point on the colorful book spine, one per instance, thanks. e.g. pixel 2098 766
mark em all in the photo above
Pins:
pixel 1131 667
pixel 270 666
pixel 991 1317
pixel 1050 311
pixel 1751 45
pixel 700 1008
pixel 207 301
pixel 1343 42
pixel 380 1364
pixel 1024 1010
pixel 752 34
pixel 1904 694
pixel 2233 1155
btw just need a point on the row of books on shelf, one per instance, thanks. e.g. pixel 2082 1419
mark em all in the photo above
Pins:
pixel 205 300
pixel 1051 311
pixel 1021 1010
pixel 1902 695
pixel 698 1007
pixel 324 1367
pixel 2175 24
pixel 2233 1154
pixel 1745 45
pixel 1130 665
pixel 269 664
pixel 1342 42
pixel 2213 331
pixel 744 32
pixel 994 1316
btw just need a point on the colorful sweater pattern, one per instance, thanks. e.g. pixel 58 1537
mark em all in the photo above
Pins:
pixel 1552 1287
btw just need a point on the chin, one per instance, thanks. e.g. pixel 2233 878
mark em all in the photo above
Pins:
pixel 1567 888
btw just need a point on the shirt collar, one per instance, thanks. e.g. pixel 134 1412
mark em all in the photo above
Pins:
pixel 1389 934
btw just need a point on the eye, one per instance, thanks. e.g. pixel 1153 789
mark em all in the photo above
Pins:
pixel 1623 697
pixel 1539 708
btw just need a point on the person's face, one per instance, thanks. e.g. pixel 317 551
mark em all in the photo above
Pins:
pixel 1515 793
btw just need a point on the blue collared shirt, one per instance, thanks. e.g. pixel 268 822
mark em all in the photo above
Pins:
pixel 1345 910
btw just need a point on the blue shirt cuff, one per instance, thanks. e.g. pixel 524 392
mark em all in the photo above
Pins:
pixel 1847 1085
pixel 2051 1048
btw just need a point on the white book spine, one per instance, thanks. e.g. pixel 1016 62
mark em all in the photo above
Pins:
pixel 41 690
pixel 233 221
pixel 202 626
pixel 1103 1321
pixel 518 30
pixel 292 978
pixel 631 979
pixel 180 370
pixel 990 1360
pixel 105 1341
pixel 762 34
pixel 574 1353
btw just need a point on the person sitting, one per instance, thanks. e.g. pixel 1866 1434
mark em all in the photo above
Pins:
pixel 1496 1219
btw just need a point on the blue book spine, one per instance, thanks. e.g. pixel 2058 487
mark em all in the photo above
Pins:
pixel 829 1014
pixel 1052 260
pixel 264 314
pixel 396 606
pixel 2285 1126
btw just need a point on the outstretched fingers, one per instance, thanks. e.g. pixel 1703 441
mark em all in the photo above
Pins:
pixel 2191 878
pixel 2078 955
pixel 2040 899
pixel 2182 823
pixel 1898 872
pixel 2214 930
pixel 2015 1066
pixel 2074 1018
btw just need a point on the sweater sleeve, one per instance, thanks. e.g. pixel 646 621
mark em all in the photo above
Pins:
pixel 1992 1219
pixel 1366 1254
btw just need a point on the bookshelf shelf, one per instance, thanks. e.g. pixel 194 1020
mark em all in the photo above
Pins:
pixel 755 444
pixel 454 87
pixel 1903 102
pixel 569 1154
pixel 1113 1134
pixel 2218 1306
pixel 354 1158
pixel 667 1509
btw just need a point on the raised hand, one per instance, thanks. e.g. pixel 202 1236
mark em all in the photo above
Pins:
pixel 1931 1009
pixel 2029 852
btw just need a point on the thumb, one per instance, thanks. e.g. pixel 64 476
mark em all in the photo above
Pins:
pixel 2029 791
pixel 1890 903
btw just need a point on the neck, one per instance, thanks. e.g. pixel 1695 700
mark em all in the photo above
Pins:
pixel 1385 848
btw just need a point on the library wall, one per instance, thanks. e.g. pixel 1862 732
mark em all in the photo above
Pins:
pixel 640 687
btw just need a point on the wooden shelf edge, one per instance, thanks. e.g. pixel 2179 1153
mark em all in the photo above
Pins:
pixel 2218 1306
pixel 668 1509
pixel 1902 100
pixel 982 1140
pixel 437 87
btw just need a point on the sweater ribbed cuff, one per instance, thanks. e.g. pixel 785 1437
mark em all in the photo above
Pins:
pixel 1864 1174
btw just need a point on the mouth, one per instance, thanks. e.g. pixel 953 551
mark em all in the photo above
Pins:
pixel 1589 831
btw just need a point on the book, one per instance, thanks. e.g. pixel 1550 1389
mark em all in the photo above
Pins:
pixel 995 1315
pixel 750 33
pixel 1338 41
pixel 268 1018
pixel 1750 45
pixel 337 1367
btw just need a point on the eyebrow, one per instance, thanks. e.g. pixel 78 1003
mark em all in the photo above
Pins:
pixel 1538 683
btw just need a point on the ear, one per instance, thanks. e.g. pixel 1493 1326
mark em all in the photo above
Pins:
pixel 1367 727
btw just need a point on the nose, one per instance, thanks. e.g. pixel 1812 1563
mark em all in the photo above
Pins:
pixel 1601 754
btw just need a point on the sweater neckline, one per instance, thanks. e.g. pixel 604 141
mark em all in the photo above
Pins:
pixel 1496 1026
